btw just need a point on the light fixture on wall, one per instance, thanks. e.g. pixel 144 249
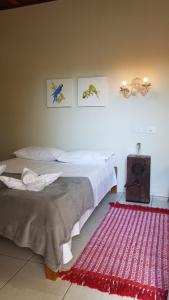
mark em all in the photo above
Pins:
pixel 136 87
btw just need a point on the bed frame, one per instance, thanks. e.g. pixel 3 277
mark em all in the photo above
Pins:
pixel 52 275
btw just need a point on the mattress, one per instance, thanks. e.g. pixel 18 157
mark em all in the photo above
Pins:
pixel 102 178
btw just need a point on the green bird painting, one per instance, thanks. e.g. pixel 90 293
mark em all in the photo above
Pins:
pixel 91 91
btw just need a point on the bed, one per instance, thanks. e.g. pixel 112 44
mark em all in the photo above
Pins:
pixel 101 177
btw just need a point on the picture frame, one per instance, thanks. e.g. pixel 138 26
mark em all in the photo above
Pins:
pixel 59 92
pixel 92 91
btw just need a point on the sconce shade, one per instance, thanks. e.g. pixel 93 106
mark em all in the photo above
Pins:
pixel 136 87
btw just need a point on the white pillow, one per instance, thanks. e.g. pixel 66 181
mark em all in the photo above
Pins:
pixel 38 153
pixel 85 156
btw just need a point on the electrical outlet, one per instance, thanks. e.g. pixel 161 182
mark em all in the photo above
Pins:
pixel 146 130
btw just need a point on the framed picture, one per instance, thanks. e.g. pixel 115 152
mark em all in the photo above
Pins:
pixel 92 91
pixel 59 92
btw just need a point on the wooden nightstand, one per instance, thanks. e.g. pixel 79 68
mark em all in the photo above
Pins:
pixel 138 178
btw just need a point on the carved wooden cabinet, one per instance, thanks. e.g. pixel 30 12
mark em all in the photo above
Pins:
pixel 138 178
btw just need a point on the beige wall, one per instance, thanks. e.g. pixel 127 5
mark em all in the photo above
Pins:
pixel 71 38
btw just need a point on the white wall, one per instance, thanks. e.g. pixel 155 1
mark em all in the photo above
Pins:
pixel 73 38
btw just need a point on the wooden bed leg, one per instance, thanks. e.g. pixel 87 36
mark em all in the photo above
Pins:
pixel 114 189
pixel 51 275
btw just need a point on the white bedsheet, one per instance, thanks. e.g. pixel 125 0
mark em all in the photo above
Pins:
pixel 101 176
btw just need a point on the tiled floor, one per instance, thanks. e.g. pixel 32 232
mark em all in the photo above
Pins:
pixel 22 274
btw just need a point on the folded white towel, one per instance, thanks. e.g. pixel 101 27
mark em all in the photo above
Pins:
pixel 41 182
pixel 30 181
pixel 28 176
pixel 2 169
pixel 13 183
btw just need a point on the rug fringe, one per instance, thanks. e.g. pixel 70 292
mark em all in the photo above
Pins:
pixel 141 208
pixel 113 285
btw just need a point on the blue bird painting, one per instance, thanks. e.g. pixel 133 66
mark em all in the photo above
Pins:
pixel 57 94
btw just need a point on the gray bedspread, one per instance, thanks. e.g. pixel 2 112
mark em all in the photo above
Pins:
pixel 43 221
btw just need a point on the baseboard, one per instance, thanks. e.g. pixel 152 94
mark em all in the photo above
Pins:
pixel 151 195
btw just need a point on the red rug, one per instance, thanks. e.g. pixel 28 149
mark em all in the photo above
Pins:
pixel 128 254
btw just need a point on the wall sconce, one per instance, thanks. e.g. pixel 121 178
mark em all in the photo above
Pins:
pixel 137 86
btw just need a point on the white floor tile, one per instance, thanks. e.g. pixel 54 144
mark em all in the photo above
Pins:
pixel 161 203
pixel 30 284
pixel 37 258
pixel 8 268
pixel 8 248
pixel 77 292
